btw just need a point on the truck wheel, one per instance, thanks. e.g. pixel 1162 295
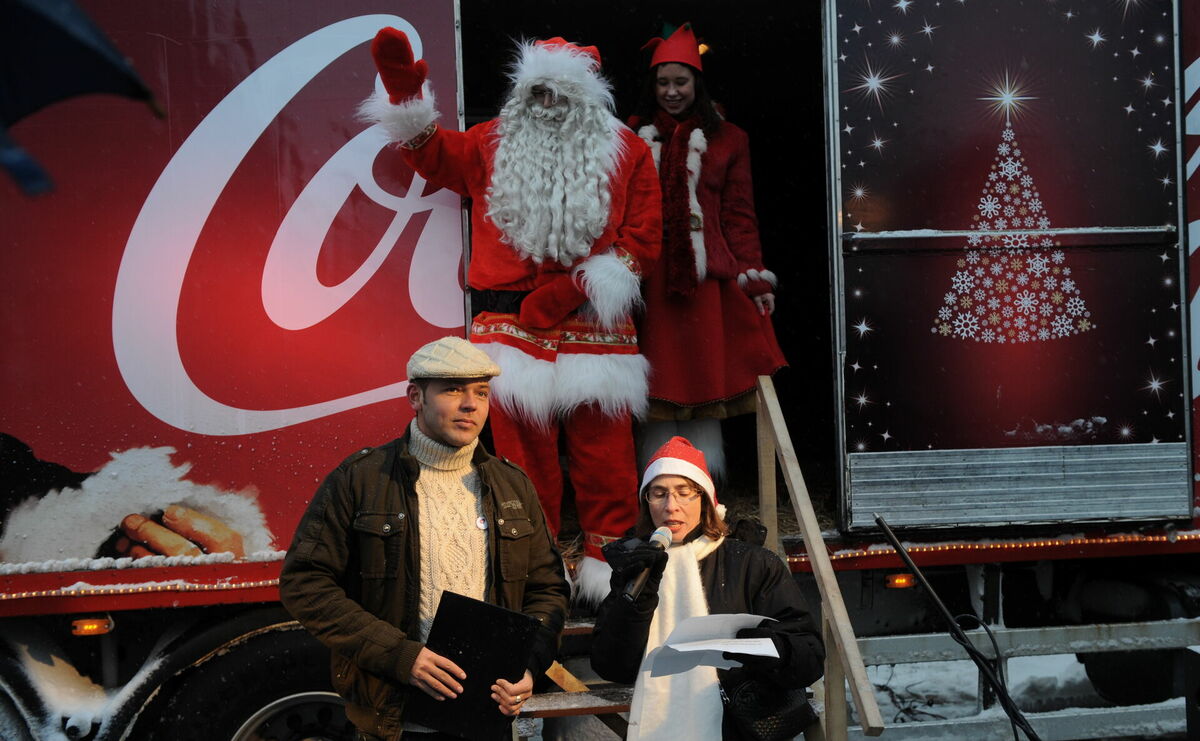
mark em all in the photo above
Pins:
pixel 273 686
pixel 1133 677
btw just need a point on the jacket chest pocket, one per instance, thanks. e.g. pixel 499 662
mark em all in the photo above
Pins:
pixel 379 542
pixel 514 541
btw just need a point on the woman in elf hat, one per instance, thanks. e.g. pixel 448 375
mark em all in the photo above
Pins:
pixel 710 293
pixel 701 572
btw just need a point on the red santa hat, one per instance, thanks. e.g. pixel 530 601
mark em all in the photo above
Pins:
pixel 678 457
pixel 566 68
pixel 679 47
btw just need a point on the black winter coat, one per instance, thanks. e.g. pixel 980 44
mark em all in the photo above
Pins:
pixel 738 578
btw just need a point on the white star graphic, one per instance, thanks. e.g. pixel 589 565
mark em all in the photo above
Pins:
pixel 1095 38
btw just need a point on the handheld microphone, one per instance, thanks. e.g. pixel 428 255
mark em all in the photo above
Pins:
pixel 660 539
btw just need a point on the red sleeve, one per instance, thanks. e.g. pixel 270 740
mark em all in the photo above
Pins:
pixel 453 159
pixel 739 222
pixel 639 235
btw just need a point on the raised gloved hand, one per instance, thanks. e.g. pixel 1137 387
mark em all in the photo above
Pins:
pixel 629 557
pixel 547 305
pixel 751 661
pixel 401 76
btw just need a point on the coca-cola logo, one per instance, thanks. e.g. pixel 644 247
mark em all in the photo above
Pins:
pixel 155 261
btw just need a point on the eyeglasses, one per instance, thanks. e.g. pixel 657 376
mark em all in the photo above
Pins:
pixel 683 494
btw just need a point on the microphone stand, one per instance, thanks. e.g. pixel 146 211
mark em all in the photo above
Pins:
pixel 960 637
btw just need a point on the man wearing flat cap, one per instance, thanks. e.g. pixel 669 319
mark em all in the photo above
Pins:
pixel 394 526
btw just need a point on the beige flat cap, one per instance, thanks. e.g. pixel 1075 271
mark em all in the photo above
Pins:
pixel 451 357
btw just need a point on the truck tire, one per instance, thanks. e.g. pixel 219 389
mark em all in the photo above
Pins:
pixel 270 686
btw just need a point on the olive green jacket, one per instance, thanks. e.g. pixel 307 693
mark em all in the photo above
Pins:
pixel 352 573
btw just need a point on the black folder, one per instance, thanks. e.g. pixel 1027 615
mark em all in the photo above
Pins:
pixel 488 643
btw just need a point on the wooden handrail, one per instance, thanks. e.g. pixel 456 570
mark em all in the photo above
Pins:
pixel 843 657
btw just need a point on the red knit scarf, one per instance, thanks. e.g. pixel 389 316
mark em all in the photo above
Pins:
pixel 678 256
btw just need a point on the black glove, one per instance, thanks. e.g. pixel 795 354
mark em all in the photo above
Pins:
pixel 754 662
pixel 629 557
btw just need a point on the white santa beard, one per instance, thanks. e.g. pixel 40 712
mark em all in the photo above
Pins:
pixel 549 193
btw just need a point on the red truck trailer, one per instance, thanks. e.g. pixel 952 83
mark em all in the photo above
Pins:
pixel 201 320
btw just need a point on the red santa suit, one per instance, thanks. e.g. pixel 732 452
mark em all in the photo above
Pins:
pixel 568 347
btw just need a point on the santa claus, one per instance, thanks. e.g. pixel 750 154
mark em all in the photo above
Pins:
pixel 566 218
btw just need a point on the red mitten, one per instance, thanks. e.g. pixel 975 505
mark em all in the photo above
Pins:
pixel 757 282
pixel 401 76
pixel 548 305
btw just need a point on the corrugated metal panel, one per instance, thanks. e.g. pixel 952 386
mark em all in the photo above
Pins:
pixel 949 488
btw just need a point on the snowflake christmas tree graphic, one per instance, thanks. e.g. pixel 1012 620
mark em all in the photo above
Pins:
pixel 1014 287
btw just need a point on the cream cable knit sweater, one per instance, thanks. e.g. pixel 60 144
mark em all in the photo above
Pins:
pixel 453 546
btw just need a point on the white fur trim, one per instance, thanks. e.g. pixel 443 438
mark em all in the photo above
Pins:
pixel 766 276
pixel 679 467
pixel 74 523
pixel 613 290
pixel 565 70
pixel 401 121
pixel 591 583
pixel 649 134
pixel 697 146
pixel 539 390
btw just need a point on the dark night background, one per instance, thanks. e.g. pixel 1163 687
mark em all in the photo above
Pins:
pixel 765 68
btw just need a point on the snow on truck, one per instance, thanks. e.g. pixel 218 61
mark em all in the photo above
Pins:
pixel 211 309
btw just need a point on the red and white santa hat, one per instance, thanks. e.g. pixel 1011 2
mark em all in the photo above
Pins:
pixel 678 457
pixel 679 47
pixel 567 69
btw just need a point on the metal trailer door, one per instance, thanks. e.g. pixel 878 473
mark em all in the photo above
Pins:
pixel 1007 262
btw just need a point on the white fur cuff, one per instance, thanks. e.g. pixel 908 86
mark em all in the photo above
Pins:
pixel 752 274
pixel 401 121
pixel 591 583
pixel 613 290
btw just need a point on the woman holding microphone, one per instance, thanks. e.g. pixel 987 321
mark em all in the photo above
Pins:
pixel 700 572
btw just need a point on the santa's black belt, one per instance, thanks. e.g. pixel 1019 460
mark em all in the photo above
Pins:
pixel 497 302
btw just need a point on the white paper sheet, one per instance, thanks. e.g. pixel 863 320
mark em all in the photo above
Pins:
pixel 701 641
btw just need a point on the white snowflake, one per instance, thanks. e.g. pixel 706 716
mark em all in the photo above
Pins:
pixel 1007 311
pixel 978 270
pixel 1035 205
pixel 993 303
pixel 1007 199
pixel 1046 309
pixel 1066 271
pixel 973 239
pixel 989 206
pixel 1016 152
pixel 965 325
pixel 1003 149
pixel 1022 278
pixel 1009 210
pixel 987 282
pixel 1043 334
pixel 979 309
pixel 1026 180
pixel 1009 168
pixel 973 256
pixel 1075 306
pixel 1068 285
pixel 1019 322
pixel 1050 282
pixel 993 175
pixel 979 294
pixel 1001 224
pixel 1027 194
pixel 951 298
pixel 1022 337
pixel 1028 220
pixel 962 281
pixel 944 312
pixel 1044 223
pixel 1038 265
pixel 996 268
pixel 1016 241
pixel 988 335
pixel 1061 325
pixel 1026 302
pixel 1008 134
pixel 1057 256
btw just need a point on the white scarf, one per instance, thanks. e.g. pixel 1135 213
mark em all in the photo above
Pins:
pixel 685 705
